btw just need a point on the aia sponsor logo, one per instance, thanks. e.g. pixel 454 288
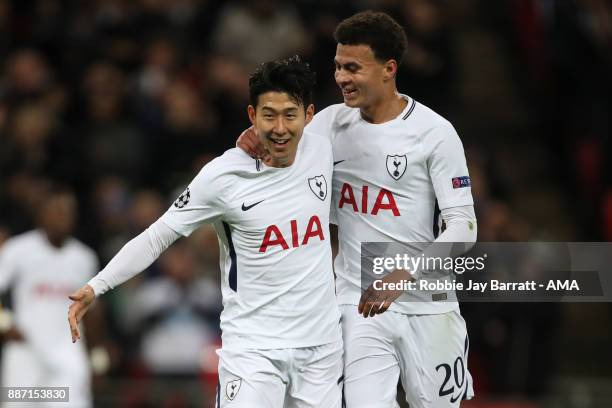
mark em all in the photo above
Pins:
pixel 274 237
pixel 357 200
pixel 52 290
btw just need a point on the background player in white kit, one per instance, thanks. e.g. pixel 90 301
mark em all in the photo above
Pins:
pixel 41 268
pixel 393 157
pixel 282 343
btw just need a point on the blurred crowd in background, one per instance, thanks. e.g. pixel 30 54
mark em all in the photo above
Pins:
pixel 125 100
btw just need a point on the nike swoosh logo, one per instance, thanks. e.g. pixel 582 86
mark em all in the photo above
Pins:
pixel 248 207
pixel 338 162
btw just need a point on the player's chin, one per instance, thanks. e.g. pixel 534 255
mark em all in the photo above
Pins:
pixel 279 152
pixel 351 102
pixel 280 149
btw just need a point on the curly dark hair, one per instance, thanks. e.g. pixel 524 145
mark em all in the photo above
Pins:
pixel 378 30
pixel 291 75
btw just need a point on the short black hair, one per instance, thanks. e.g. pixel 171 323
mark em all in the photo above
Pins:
pixel 291 76
pixel 378 30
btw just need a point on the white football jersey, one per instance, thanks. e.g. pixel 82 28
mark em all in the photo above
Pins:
pixel 275 255
pixel 386 180
pixel 42 277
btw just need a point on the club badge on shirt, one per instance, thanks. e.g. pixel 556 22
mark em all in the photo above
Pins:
pixel 318 186
pixel 232 388
pixel 396 165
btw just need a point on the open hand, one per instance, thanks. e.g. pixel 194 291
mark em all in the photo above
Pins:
pixel 82 300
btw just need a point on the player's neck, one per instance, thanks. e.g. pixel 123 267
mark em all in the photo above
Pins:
pixel 55 241
pixel 387 108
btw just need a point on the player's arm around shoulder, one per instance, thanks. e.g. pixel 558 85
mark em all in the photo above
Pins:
pixel 322 123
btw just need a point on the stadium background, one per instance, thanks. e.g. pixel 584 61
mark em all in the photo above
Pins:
pixel 125 100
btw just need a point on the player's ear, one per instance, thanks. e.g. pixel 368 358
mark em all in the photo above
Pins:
pixel 390 69
pixel 309 113
pixel 251 113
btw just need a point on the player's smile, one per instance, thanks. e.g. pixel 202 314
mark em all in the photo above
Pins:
pixel 277 141
pixel 349 92
pixel 280 137
pixel 279 146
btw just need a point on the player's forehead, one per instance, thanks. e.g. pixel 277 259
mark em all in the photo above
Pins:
pixel 277 101
pixel 356 54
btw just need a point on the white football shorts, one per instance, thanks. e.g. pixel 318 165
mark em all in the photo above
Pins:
pixel 22 368
pixel 308 377
pixel 428 353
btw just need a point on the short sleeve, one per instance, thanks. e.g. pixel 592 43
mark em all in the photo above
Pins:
pixel 200 203
pixel 447 167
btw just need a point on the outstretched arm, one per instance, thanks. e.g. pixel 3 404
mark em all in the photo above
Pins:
pixel 132 259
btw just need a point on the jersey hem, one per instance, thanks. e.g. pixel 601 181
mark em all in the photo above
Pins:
pixel 424 308
pixel 238 345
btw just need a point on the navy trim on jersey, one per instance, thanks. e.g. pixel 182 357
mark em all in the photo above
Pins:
pixel 466 347
pixel 410 110
pixel 233 273
pixel 436 220
pixel 218 392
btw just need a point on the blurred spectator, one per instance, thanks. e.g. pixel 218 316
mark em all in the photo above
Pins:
pixel 113 145
pixel 256 31
pixel 27 75
pixel 41 268
pixel 23 194
pixel 426 72
pixel 175 311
